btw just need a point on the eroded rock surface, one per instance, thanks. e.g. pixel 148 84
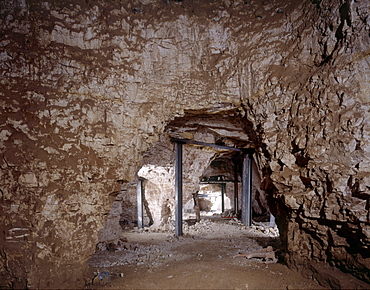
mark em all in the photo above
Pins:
pixel 87 87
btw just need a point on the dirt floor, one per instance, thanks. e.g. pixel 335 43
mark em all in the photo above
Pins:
pixel 201 259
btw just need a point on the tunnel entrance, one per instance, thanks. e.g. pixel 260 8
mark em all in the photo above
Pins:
pixel 216 146
pixel 202 164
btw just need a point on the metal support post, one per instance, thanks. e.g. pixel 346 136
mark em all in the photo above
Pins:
pixel 223 196
pixel 247 190
pixel 140 211
pixel 236 206
pixel 178 189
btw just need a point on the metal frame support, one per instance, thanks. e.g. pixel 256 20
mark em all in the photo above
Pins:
pixel 140 208
pixel 223 189
pixel 188 141
pixel 178 189
pixel 246 202
pixel 247 190
pixel 236 205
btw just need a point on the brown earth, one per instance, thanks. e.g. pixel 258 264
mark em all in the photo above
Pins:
pixel 201 259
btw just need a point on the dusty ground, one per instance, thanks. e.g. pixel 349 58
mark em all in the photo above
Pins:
pixel 201 259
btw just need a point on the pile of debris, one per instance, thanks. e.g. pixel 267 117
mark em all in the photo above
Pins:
pixel 212 226
pixel 264 228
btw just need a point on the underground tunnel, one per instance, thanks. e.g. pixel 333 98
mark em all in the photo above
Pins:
pixel 268 101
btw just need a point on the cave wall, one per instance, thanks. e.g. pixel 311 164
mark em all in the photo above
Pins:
pixel 87 88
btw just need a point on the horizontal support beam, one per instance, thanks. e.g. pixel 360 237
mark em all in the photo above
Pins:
pixel 218 182
pixel 193 142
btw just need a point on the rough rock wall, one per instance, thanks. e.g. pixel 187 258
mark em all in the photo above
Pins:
pixel 87 87
pixel 317 139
